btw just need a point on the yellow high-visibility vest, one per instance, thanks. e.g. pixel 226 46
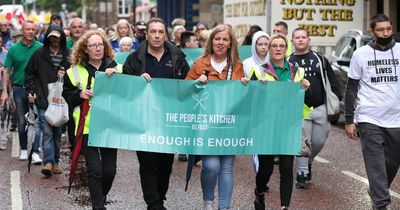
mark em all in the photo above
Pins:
pixel 78 76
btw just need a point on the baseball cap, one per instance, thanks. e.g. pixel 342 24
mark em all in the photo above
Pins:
pixel 140 24
pixel 55 33
pixel 16 33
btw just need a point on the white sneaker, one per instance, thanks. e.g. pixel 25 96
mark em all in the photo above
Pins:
pixel 23 155
pixel 36 159
pixel 208 205
pixel 3 145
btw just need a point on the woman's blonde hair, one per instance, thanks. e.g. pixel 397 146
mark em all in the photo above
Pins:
pixel 233 53
pixel 119 23
pixel 277 36
pixel 79 49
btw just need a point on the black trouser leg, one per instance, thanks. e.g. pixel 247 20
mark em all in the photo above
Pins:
pixel 99 178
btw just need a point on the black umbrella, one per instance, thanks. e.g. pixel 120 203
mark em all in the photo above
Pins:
pixel 190 164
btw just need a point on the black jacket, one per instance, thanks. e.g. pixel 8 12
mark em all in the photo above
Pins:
pixel 41 71
pixel 135 64
pixel 71 93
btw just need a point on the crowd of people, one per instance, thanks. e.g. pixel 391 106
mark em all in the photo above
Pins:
pixel 32 58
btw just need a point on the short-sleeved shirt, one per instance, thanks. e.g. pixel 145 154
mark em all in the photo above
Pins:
pixel 162 68
pixel 283 73
pixel 17 58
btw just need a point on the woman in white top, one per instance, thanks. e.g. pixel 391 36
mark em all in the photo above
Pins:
pixel 259 49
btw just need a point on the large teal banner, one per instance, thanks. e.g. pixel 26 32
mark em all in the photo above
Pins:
pixel 185 117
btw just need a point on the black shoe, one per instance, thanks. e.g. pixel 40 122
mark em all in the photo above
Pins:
pixel 285 208
pixel 259 202
pixel 13 128
pixel 182 157
pixel 266 188
pixel 309 172
pixel 301 181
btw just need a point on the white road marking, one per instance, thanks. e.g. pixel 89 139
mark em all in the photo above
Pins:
pixel 15 145
pixel 365 181
pixel 321 160
pixel 16 197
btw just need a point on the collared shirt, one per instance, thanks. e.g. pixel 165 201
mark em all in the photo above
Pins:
pixel 162 68
pixel 283 73
pixel 18 57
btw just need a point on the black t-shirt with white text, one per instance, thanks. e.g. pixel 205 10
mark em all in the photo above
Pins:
pixel 312 71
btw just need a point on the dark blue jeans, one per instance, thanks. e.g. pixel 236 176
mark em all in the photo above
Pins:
pixel 51 139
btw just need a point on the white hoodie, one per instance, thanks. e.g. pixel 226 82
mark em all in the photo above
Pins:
pixel 254 61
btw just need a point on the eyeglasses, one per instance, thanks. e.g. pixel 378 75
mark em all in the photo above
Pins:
pixel 95 46
pixel 275 46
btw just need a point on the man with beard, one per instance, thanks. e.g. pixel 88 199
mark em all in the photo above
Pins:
pixel 372 111
pixel 45 66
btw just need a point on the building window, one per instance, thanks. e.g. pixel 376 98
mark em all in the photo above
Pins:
pixel 124 8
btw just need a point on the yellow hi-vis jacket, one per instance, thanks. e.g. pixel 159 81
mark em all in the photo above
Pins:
pixel 79 78
pixel 296 74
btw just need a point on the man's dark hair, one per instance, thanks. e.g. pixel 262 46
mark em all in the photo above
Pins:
pixel 300 29
pixel 185 37
pixel 156 20
pixel 379 18
pixel 282 23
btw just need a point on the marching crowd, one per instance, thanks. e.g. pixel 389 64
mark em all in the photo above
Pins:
pixel 32 58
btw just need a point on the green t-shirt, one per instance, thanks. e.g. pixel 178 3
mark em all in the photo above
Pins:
pixel 283 73
pixel 17 58
pixel 70 42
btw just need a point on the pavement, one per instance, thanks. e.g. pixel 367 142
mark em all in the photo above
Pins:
pixel 338 182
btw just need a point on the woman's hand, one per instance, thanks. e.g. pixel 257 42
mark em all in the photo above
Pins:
pixel 110 71
pixel 305 84
pixel 86 94
pixel 263 80
pixel 203 79
pixel 146 76
pixel 61 73
pixel 244 80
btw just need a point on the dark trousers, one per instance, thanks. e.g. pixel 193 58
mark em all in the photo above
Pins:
pixel 380 147
pixel 101 164
pixel 155 170
pixel 265 169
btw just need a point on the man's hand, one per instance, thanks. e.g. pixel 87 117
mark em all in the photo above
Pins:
pixel 351 131
pixel 147 77
pixel 86 94
pixel 32 97
pixel 4 97
pixel 61 73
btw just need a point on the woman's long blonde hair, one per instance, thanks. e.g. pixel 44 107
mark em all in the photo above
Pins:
pixel 233 53
pixel 78 52
pixel 119 23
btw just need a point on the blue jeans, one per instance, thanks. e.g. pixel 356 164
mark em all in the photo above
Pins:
pixel 218 168
pixel 51 139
